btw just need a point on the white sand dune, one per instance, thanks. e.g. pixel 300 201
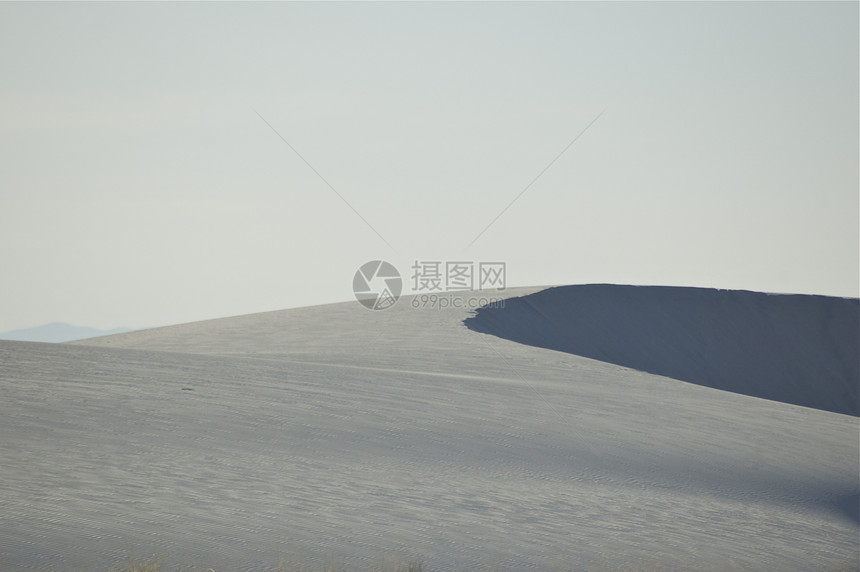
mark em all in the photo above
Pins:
pixel 797 349
pixel 337 431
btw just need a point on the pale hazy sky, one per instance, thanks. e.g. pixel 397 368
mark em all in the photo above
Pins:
pixel 139 187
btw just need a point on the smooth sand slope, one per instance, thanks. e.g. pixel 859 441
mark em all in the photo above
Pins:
pixel 337 431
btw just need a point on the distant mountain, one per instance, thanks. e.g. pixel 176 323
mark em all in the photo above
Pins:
pixel 57 332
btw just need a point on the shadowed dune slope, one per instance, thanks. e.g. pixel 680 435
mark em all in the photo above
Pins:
pixel 797 349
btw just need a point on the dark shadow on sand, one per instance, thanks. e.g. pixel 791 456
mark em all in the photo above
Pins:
pixel 798 349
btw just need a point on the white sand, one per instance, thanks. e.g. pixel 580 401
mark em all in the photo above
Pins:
pixel 335 430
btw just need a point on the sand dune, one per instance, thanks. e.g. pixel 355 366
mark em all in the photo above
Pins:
pixel 796 349
pixel 339 431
